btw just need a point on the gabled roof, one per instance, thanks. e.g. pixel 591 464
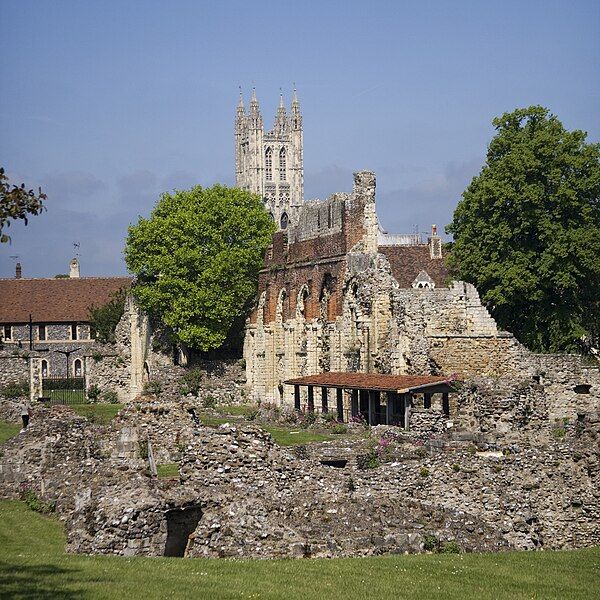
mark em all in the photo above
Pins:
pixel 55 300
pixel 373 381
pixel 408 261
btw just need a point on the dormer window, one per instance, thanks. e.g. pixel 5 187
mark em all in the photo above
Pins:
pixel 423 282
pixel 42 333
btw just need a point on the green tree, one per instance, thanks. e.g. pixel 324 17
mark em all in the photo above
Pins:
pixel 197 260
pixel 527 231
pixel 104 319
pixel 16 203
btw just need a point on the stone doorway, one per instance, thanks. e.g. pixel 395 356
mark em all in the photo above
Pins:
pixel 181 522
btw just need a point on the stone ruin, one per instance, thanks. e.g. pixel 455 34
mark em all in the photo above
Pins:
pixel 238 494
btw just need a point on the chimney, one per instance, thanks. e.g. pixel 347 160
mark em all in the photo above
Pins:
pixel 18 272
pixel 435 243
pixel 74 269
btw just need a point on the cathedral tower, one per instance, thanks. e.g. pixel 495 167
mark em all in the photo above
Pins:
pixel 270 164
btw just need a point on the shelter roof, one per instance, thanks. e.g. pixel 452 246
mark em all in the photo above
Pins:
pixel 55 300
pixel 373 381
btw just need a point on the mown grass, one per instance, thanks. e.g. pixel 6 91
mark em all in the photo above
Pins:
pixel 8 430
pixel 33 565
pixel 101 414
pixel 66 396
pixel 167 470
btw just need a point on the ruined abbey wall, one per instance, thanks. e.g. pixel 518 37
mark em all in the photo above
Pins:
pixel 338 294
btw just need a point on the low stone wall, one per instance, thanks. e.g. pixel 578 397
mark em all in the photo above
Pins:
pixel 13 369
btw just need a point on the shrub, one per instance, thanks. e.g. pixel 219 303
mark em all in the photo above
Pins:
pixel 451 548
pixel 192 381
pixel 424 472
pixel 15 390
pixel 209 402
pixel 456 467
pixel 368 461
pixel 93 392
pixel 309 418
pixel 430 543
pixel 472 449
pixel 143 449
pixel 97 356
pixel 110 397
pixel 34 502
pixel 152 388
pixel 339 428
pixel 559 433
pixel 329 417
pixel 104 319
pixel 421 452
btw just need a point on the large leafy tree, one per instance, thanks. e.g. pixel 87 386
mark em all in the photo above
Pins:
pixel 16 202
pixel 197 260
pixel 527 231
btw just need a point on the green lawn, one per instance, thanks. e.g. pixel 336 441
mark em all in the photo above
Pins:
pixel 8 430
pixel 289 436
pixel 33 565
pixel 101 414
pixel 65 396
pixel 167 471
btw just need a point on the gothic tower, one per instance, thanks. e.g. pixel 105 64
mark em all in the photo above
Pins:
pixel 270 164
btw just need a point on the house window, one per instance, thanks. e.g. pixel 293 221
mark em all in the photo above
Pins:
pixel 77 367
pixel 44 368
pixel 73 331
pixel 269 164
pixel 42 333
pixel 8 332
pixel 282 164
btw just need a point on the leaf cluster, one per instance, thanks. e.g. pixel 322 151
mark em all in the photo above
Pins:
pixel 527 231
pixel 16 203
pixel 104 319
pixel 197 260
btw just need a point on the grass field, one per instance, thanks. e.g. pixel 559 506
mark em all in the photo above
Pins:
pixel 101 414
pixel 8 430
pixel 33 565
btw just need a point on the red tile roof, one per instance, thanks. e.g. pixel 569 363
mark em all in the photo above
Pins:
pixel 371 381
pixel 55 300
pixel 408 261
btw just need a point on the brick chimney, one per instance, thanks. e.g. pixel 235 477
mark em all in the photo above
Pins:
pixel 18 271
pixel 74 269
pixel 435 243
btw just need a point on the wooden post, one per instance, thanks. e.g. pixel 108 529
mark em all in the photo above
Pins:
pixel 297 397
pixel 311 399
pixel 340 405
pixel 407 401
pixel 446 404
pixel 354 403
pixel 324 405
pixel 389 408
pixel 372 419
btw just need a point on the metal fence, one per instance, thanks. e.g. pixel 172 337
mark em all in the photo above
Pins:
pixel 64 390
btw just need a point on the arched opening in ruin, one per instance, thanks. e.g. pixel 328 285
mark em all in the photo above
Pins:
pixel 146 373
pixel 181 522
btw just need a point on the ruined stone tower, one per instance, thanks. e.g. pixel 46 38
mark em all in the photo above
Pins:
pixel 271 163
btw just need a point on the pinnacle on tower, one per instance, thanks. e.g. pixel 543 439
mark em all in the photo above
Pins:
pixel 280 117
pixel 255 116
pixel 296 114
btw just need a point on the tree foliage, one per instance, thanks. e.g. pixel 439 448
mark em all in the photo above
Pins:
pixel 527 231
pixel 197 260
pixel 104 319
pixel 16 203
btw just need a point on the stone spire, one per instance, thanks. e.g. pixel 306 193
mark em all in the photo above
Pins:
pixel 256 121
pixel 280 117
pixel 296 114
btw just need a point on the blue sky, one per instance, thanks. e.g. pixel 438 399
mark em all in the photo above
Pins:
pixel 108 104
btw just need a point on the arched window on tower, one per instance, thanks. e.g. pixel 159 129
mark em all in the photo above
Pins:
pixel 282 165
pixel 77 368
pixel 284 221
pixel 269 164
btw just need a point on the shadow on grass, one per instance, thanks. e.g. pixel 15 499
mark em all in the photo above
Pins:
pixel 39 581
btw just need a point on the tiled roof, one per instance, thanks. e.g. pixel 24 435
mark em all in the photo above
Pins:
pixel 408 261
pixel 370 381
pixel 55 300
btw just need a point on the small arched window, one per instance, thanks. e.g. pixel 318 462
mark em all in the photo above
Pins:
pixel 77 367
pixel 282 165
pixel 284 221
pixel 269 164
pixel 45 368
